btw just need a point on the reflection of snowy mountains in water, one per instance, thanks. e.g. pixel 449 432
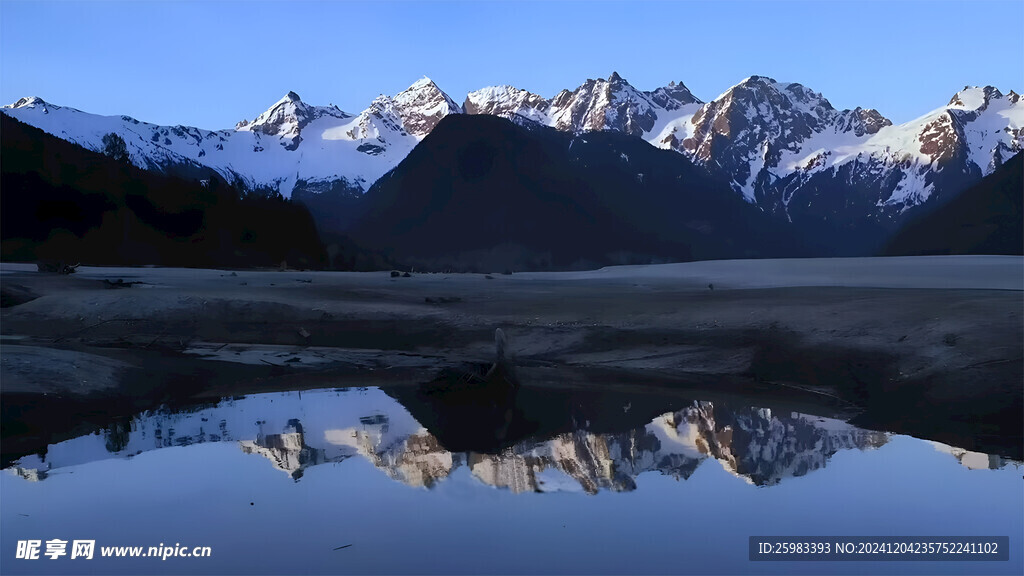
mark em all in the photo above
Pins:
pixel 297 430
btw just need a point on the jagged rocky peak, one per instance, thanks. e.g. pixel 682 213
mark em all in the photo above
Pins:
pixel 422 106
pixel 758 110
pixel 751 125
pixel 861 121
pixel 505 101
pixel 281 118
pixel 597 104
pixel 787 96
pixel 673 96
pixel 611 104
pixel 286 119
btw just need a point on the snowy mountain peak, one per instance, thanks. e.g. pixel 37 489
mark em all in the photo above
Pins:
pixel 507 101
pixel 755 119
pixel 673 96
pixel 974 97
pixel 422 106
pixel 29 102
pixel 758 81
pixel 861 121
pixel 763 95
pixel 612 104
pixel 421 84
pixel 286 119
pixel 979 126
pixel 601 104
pixel 377 122
pixel 748 129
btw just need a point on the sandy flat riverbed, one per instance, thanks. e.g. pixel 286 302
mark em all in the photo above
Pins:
pixel 923 345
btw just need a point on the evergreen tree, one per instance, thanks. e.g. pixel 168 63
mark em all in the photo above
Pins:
pixel 114 146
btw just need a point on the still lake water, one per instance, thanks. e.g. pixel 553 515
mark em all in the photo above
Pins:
pixel 348 481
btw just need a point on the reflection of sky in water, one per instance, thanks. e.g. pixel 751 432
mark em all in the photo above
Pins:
pixel 358 453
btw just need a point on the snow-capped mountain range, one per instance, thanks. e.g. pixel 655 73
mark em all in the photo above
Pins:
pixel 295 431
pixel 292 146
pixel 778 144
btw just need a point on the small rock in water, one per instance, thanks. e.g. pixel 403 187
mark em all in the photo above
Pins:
pixel 304 333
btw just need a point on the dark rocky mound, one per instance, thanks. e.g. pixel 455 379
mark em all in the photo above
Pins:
pixel 484 193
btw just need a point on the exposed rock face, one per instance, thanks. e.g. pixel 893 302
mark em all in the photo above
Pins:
pixel 508 101
pixel 673 97
pixel 611 104
pixel 286 119
pixel 288 450
pixel 422 106
pixel 419 460
pixel 378 122
pixel 860 121
pixel 942 138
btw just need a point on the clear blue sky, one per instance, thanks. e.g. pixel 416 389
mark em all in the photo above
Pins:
pixel 212 63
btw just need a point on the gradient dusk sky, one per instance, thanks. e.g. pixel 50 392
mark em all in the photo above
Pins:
pixel 212 63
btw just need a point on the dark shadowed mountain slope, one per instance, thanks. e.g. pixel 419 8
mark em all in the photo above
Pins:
pixel 60 201
pixel 984 219
pixel 482 192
